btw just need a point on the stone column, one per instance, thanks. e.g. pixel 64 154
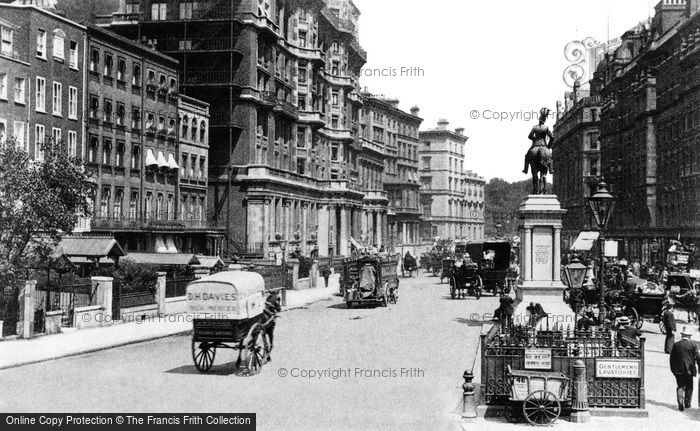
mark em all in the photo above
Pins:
pixel 27 304
pixel 160 293
pixel 267 233
pixel 344 231
pixel 323 231
pixel 103 296
pixel 525 245
pixel 287 220
pixel 404 240
pixel 363 221
pixel 255 220
pixel 379 229
pixel 304 227
pixel 556 267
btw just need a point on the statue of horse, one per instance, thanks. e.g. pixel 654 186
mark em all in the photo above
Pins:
pixel 540 160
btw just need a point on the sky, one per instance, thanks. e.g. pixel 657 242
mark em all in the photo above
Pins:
pixel 476 59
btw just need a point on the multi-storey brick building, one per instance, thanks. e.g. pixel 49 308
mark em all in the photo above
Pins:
pixel 133 140
pixel 282 83
pixel 42 62
pixel 452 198
pixel 393 136
pixel 576 154
pixel 650 130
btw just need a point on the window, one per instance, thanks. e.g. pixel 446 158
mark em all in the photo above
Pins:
pixel 334 121
pixel 335 68
pixel 20 86
pixel 203 133
pixel 121 114
pixel 104 203
pixel 185 127
pixel 73 55
pixel 186 10
pixel 136 118
pixel 5 41
pixel 120 155
pixel 301 137
pixel 133 8
pixel 72 143
pixel 19 133
pixel 334 97
pixel 133 204
pixel 39 135
pixel 94 60
pixel 72 103
pixel 302 75
pixel 92 152
pixel 3 130
pixel 193 138
pixel 118 201
pixel 3 86
pixel 191 165
pixel 150 121
pixel 56 135
pixel 135 157
pixel 41 43
pixel 57 98
pixel 109 65
pixel 335 46
pixel 159 11
pixel 106 152
pixel 94 106
pixel 171 126
pixel 59 44
pixel 334 152
pixel 121 69
pixel 40 94
pixel 107 118
pixel 183 165
pixel 301 166
pixel 302 38
pixel 426 163
pixel 136 75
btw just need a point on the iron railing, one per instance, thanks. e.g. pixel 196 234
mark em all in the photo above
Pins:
pixel 177 288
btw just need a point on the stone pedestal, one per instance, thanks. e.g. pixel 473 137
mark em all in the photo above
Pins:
pixel 52 322
pixel 103 287
pixel 540 261
pixel 160 293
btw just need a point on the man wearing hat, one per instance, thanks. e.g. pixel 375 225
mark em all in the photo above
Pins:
pixel 627 336
pixel 669 321
pixel 684 357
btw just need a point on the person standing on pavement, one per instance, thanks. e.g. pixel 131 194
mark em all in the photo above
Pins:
pixel 669 321
pixel 684 359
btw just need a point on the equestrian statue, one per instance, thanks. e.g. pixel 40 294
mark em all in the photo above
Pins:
pixel 539 156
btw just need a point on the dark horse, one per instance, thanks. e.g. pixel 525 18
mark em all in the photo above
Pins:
pixel 539 156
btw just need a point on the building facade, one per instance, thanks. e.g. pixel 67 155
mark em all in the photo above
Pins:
pixel 576 155
pixel 650 130
pixel 392 136
pixel 281 80
pixel 42 66
pixel 452 199
pixel 133 148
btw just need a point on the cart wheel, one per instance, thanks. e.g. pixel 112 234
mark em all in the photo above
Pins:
pixel 453 287
pixel 662 328
pixel 631 312
pixel 203 355
pixel 257 350
pixel 541 408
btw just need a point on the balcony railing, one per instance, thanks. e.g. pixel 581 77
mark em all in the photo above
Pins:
pixel 198 44
pixel 312 117
pixel 154 220
pixel 287 107
pixel 207 77
pixel 268 97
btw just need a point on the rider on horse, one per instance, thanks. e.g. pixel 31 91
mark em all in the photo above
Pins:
pixel 538 136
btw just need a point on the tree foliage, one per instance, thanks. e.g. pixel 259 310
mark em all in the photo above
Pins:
pixel 501 200
pixel 136 277
pixel 84 12
pixel 39 200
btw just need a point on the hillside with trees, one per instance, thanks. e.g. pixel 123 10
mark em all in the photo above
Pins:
pixel 501 201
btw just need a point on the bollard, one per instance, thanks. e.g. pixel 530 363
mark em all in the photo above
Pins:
pixel 579 395
pixel 469 403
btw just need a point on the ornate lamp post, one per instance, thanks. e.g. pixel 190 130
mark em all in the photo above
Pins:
pixel 574 277
pixel 602 204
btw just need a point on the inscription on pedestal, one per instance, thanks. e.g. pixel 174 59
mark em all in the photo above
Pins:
pixel 542 253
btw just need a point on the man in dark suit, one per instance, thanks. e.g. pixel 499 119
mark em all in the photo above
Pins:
pixel 684 357
pixel 669 320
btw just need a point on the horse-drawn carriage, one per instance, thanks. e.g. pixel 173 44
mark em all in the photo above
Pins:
pixel 408 265
pixel 371 279
pixel 465 280
pixel 446 266
pixel 493 261
pixel 228 307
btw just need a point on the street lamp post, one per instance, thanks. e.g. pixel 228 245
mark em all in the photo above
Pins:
pixel 574 277
pixel 602 204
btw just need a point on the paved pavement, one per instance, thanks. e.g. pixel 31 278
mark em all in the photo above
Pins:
pixel 73 342
pixel 333 368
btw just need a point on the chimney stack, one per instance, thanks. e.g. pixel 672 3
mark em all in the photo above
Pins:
pixel 415 111
pixel 459 130
pixel 442 124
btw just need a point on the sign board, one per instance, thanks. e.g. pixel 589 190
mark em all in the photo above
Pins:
pixel 538 359
pixel 520 388
pixel 610 248
pixel 617 368
pixel 682 259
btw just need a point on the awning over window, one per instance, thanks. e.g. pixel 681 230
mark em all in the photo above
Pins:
pixel 162 163
pixel 151 159
pixel 172 164
pixel 160 245
pixel 170 244
pixel 585 241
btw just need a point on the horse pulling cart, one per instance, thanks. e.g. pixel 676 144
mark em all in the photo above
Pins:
pixel 536 396
pixel 465 281
pixel 228 307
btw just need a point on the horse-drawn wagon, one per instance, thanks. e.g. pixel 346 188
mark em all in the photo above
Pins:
pixel 371 279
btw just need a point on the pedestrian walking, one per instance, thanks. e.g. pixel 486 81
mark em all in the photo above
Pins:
pixel 505 311
pixel 669 320
pixel 684 360
pixel 272 307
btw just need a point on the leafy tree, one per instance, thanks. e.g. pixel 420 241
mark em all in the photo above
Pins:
pixel 136 277
pixel 501 200
pixel 39 201
pixel 84 12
